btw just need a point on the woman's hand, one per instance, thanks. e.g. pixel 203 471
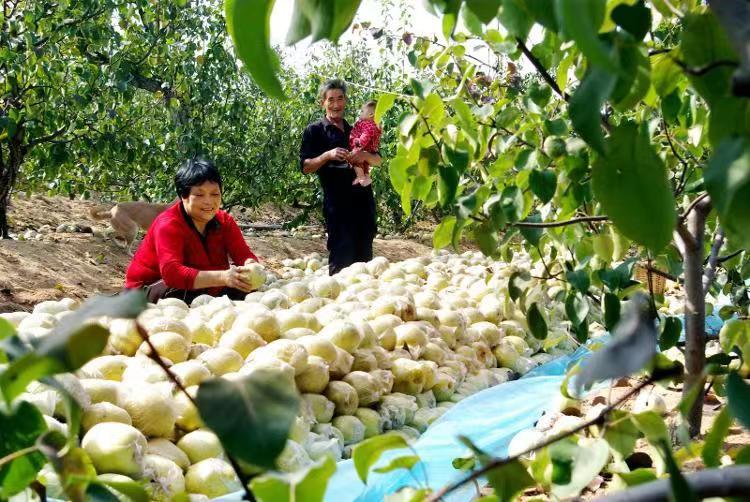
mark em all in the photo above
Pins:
pixel 233 279
pixel 250 261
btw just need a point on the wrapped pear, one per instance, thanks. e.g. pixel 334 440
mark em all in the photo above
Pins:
pixel 187 416
pixel 367 387
pixel 314 378
pixel 241 340
pixel 343 364
pixel 445 386
pixel 321 347
pixel 384 379
pixel 342 334
pixel 167 449
pixel 101 391
pixel 170 345
pixel 200 445
pixel 265 324
pixel 191 372
pixel 351 427
pixel 372 421
pixel 364 360
pixel 408 376
pixel 411 336
pixel 123 336
pixel 293 458
pixel 104 412
pixel 116 448
pixel 212 477
pixel 322 408
pixel 343 396
pixel 285 350
pixel 150 408
pixel 164 476
pixel 166 324
pixel 221 360
pixel 105 367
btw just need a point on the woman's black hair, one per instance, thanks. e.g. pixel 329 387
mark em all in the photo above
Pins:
pixel 194 172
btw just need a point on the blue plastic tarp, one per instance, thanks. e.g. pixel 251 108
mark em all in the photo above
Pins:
pixel 489 418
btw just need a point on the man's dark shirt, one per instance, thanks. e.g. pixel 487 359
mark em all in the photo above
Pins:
pixel 336 176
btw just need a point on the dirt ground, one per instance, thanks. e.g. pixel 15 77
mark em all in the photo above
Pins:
pixel 83 261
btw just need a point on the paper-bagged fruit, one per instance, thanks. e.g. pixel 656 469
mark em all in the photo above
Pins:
pixel 150 408
pixel 200 445
pixel 167 449
pixel 115 447
pixel 164 477
pixel 212 477
pixel 104 412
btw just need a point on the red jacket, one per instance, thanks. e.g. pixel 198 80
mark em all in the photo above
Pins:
pixel 174 251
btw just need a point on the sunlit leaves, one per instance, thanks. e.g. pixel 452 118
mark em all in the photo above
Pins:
pixel 631 183
pixel 586 104
pixel 728 181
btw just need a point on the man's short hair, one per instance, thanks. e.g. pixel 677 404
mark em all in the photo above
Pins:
pixel 194 172
pixel 329 85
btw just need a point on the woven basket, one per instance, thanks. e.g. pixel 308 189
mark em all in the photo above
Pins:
pixel 658 282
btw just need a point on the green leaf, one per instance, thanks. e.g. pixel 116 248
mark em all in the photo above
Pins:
pixel 447 184
pixel 532 234
pixel 734 333
pixel 738 394
pixel 23 371
pixel 517 282
pixel 637 476
pixel 509 480
pixel 542 13
pixel 385 102
pixel 458 158
pixel 727 179
pixel 543 184
pixel 248 24
pixel 665 73
pixel 98 493
pixel 576 308
pixel 134 490
pixel 514 18
pixel 632 85
pixel 252 416
pixel 670 333
pixel 579 279
pixel 712 447
pixel 703 41
pixel 485 10
pixel 512 202
pixel 635 19
pixel 306 485
pixel 631 184
pixel 73 349
pixel 20 429
pixel 652 425
pixel 444 232
pixel 299 28
pixel 580 21
pixel 486 237
pixel 493 209
pixel 368 452
pixel 577 464
pixel 6 329
pixel 536 321
pixel 611 310
pixel 621 433
pixel 405 462
pixel 586 104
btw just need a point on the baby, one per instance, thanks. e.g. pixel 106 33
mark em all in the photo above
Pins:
pixel 365 136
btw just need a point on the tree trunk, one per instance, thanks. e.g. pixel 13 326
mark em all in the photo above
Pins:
pixel 695 310
pixel 10 164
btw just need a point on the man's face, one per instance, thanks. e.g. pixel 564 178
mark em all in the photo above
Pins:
pixel 334 104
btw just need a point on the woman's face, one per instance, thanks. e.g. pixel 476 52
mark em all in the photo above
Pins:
pixel 203 202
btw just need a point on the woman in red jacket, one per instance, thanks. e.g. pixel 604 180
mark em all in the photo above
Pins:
pixel 187 248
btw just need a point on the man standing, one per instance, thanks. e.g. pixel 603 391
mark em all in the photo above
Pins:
pixel 349 210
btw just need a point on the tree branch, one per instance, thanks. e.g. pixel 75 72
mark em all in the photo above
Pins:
pixel 702 70
pixel 692 206
pixel 499 462
pixel 554 224
pixel 732 481
pixel 710 272
pixel 44 139
pixel 728 257
pixel 541 69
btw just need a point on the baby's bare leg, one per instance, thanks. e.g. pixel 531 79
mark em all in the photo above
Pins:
pixel 362 177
